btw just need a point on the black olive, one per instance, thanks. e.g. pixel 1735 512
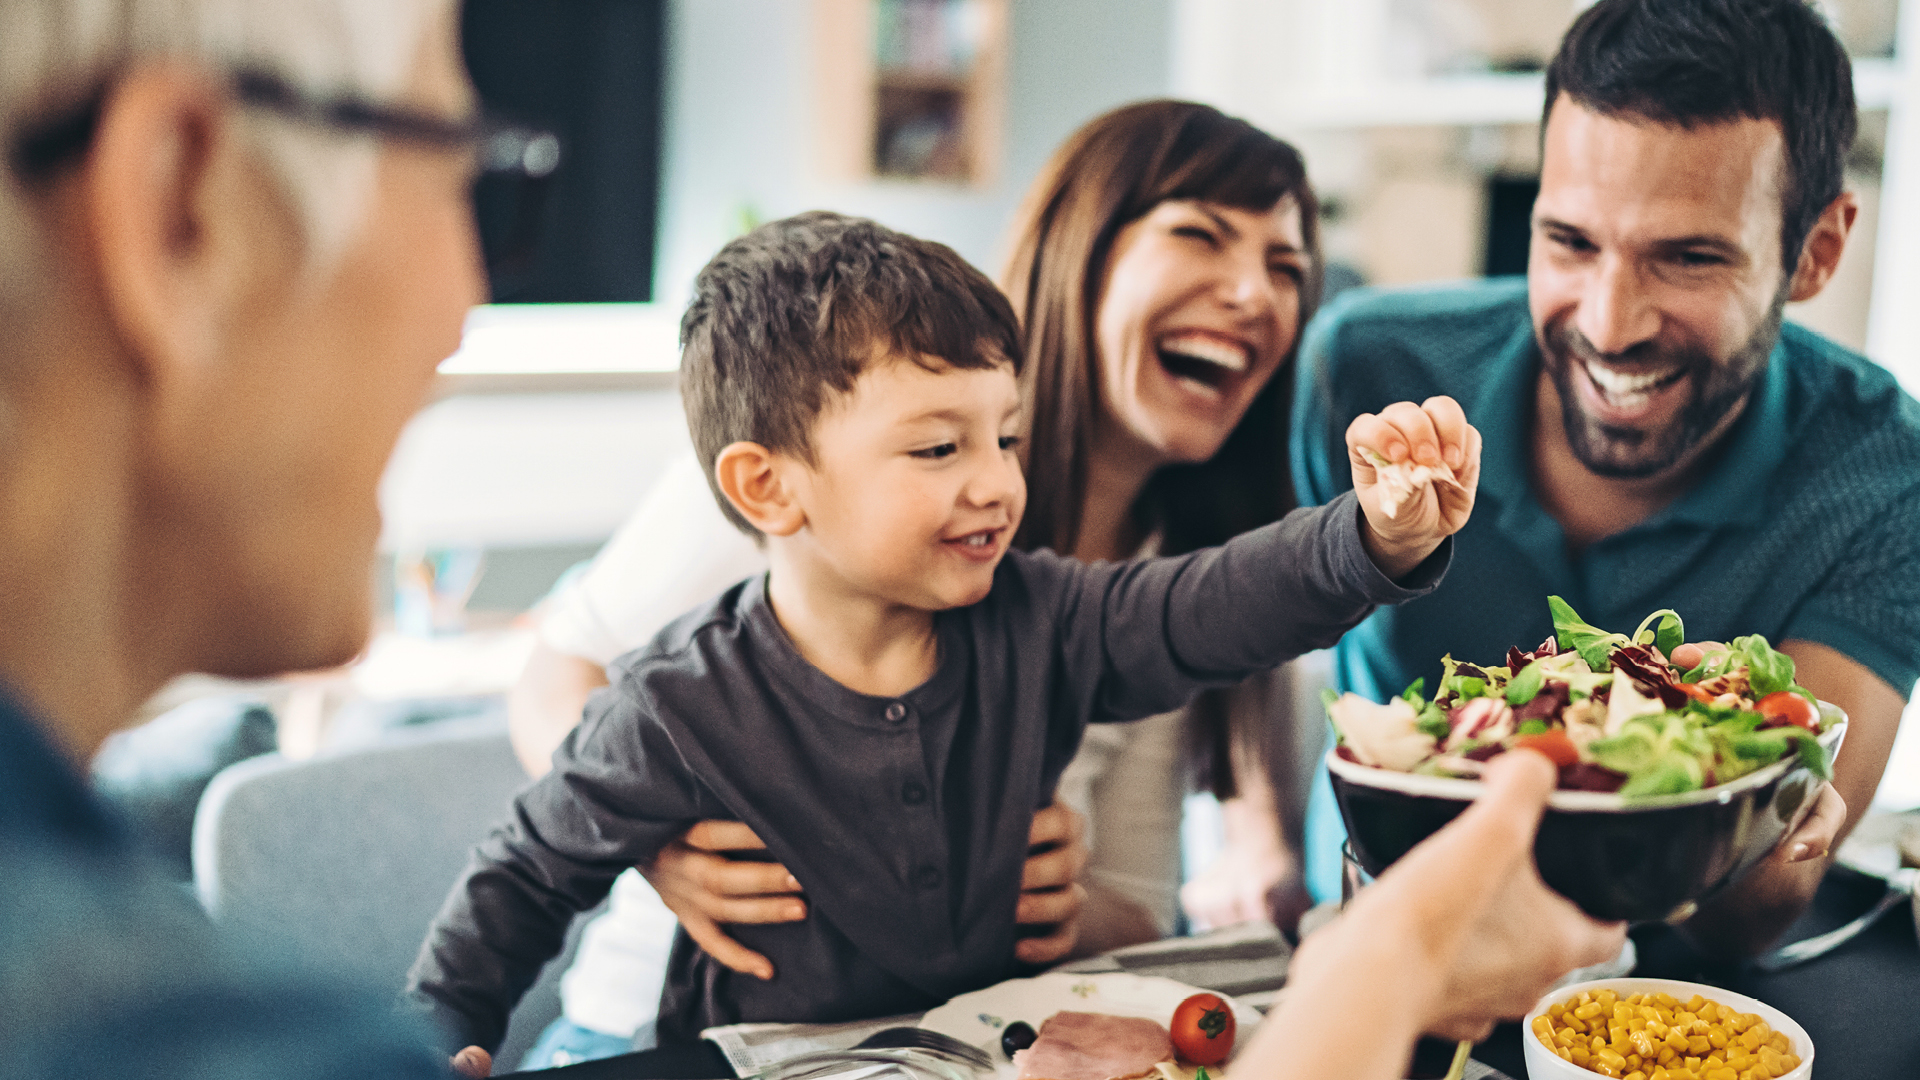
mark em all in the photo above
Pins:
pixel 1018 1036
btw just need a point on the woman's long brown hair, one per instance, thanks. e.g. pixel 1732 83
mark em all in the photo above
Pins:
pixel 1110 173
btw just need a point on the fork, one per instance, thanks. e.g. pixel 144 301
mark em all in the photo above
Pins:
pixel 891 1046
pixel 920 1038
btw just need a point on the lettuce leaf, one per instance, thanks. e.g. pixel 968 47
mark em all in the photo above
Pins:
pixel 1594 645
pixel 1667 635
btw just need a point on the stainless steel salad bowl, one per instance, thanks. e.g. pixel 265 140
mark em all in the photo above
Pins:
pixel 1639 859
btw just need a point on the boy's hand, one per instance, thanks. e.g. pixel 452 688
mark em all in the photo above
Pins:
pixel 1416 469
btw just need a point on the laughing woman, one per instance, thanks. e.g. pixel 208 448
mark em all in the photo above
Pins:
pixel 1163 266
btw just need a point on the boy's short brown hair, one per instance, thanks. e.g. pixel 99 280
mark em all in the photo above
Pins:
pixel 795 309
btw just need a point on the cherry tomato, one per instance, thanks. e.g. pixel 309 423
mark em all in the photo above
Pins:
pixel 1202 1029
pixel 1787 707
pixel 1555 744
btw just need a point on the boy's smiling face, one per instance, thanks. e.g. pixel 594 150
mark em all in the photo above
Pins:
pixel 915 486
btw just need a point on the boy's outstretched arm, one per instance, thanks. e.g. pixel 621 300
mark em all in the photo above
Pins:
pixel 1416 469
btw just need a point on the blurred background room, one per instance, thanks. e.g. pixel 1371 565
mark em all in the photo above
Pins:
pixel 684 122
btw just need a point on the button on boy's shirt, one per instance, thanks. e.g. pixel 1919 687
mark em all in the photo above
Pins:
pixel 1805 524
pixel 904 819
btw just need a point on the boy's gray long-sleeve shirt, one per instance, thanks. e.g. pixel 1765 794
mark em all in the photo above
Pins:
pixel 904 819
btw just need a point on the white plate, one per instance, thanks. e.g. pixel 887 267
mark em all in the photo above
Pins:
pixel 978 1017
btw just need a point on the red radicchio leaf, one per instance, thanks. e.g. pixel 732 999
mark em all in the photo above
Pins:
pixel 1548 704
pixel 1485 753
pixel 1517 659
pixel 1654 677
pixel 1586 776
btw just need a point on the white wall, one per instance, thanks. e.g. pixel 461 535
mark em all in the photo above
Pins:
pixel 562 469
pixel 742 118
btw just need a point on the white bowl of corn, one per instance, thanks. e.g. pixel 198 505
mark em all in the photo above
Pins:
pixel 1662 1029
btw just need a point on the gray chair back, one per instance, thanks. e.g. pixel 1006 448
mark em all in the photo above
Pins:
pixel 347 857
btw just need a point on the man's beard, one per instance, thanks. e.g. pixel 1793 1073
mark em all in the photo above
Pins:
pixel 1628 453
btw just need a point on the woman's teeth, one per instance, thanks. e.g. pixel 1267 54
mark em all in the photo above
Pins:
pixel 981 539
pixel 1207 350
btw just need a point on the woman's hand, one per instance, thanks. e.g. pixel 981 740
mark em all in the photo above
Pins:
pixel 705 888
pixel 1235 888
pixel 472 1061
pixel 1416 469
pixel 1050 894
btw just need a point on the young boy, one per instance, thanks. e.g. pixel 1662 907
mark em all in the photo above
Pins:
pixel 890 703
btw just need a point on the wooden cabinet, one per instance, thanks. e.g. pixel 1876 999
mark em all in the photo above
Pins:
pixel 911 89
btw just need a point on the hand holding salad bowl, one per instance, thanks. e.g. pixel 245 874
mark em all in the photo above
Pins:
pixel 1680 766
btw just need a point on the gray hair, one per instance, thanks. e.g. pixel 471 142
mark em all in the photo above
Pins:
pixel 55 53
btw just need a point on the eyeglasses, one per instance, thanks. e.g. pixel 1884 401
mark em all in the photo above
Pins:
pixel 515 163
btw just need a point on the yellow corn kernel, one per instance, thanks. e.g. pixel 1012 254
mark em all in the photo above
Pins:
pixel 1659 1074
pixel 1658 1030
pixel 1635 999
pixel 1682 1073
pixel 1635 1075
pixel 1743 1021
pixel 1698 1045
pixel 1596 1043
pixel 1621 1013
pixel 1667 1055
pixel 1715 1061
pixel 1648 1012
pixel 1791 1061
pixel 1608 1057
pixel 1755 1035
pixel 1684 1018
pixel 1717 1038
pixel 1564 1055
pixel 1542 1026
pixel 1665 1000
pixel 1633 1063
pixel 1579 1056
pixel 1606 998
pixel 1637 1024
pixel 1693 1064
pixel 1583 997
pixel 1604 1069
pixel 1572 1022
pixel 1563 1037
pixel 1779 1042
pixel 1588 1011
pixel 1720 1074
pixel 1643 1043
pixel 1676 1039
pixel 1693 1003
pixel 1555 1010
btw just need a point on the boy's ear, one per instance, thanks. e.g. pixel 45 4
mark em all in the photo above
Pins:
pixel 753 480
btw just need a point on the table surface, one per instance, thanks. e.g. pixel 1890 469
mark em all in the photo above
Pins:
pixel 1860 1003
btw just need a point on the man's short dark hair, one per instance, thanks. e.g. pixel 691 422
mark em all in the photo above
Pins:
pixel 795 309
pixel 1689 62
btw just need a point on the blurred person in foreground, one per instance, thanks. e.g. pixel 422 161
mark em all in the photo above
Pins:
pixel 222 295
pixel 1656 436
pixel 218 313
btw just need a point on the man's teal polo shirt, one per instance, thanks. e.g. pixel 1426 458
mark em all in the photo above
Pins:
pixel 1806 524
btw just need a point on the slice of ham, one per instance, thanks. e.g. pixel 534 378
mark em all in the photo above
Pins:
pixel 1094 1046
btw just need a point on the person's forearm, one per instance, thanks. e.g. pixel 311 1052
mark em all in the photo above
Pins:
pixel 545 704
pixel 1351 1009
pixel 1280 591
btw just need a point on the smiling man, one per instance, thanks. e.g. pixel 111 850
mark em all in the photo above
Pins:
pixel 1656 435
